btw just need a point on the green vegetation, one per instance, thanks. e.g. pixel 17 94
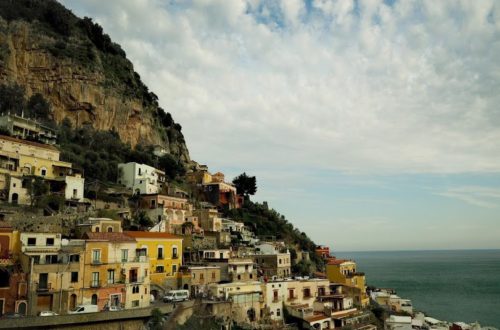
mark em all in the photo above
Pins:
pixel 267 222
pixel 245 185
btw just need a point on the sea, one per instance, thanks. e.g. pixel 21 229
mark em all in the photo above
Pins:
pixel 457 285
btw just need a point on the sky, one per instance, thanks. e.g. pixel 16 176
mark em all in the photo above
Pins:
pixel 371 125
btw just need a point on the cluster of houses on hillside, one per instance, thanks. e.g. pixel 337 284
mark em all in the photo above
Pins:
pixel 190 246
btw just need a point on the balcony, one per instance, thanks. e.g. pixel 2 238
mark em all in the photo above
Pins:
pixel 95 284
pixel 43 287
pixel 135 280
pixel 96 262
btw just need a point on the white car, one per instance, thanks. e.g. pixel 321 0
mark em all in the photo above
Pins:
pixel 114 308
pixel 47 313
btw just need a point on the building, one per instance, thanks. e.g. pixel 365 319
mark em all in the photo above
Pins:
pixel 345 272
pixel 246 300
pixel 202 277
pixel 141 178
pixel 274 265
pixel 96 225
pixel 165 259
pixel 20 160
pixel 25 128
pixel 209 219
pixel 221 194
pixel 395 322
pixel 117 273
pixel 323 251
pixel 13 283
pixel 168 212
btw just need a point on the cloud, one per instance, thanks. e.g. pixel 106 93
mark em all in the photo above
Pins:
pixel 410 87
pixel 475 195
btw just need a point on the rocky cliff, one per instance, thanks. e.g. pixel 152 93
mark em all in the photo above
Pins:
pixel 82 73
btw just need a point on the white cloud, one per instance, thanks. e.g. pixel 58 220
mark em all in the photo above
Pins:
pixel 475 195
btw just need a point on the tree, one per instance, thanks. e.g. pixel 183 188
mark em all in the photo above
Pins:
pixel 245 185
pixel 156 321
pixel 38 107
pixel 171 167
pixel 12 99
pixel 37 188
pixel 143 220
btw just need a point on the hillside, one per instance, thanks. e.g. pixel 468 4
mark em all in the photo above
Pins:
pixel 87 78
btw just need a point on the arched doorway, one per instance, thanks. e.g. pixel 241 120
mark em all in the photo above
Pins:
pixel 15 198
pixel 21 308
pixel 94 299
pixel 72 302
pixel 186 286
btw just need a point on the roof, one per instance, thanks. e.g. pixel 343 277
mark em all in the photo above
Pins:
pixel 31 143
pixel 316 318
pixel 112 237
pixel 151 234
pixel 399 319
pixel 337 261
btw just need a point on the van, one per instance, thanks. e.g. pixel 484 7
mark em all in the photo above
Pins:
pixel 176 295
pixel 82 309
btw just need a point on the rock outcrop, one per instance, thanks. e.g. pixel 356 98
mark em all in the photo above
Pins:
pixel 85 93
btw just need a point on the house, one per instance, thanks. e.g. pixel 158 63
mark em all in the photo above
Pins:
pixel 234 269
pixel 55 271
pixel 394 322
pixel 209 219
pixel 245 298
pixel 13 282
pixel 96 225
pixel 168 212
pixel 201 277
pixel 345 272
pixel 141 178
pixel 116 273
pixel 275 264
pixel 165 259
pixel 20 160
pixel 25 128
pixel 221 194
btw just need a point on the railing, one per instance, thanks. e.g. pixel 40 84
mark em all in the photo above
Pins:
pixel 95 284
pixel 43 286
pixel 134 280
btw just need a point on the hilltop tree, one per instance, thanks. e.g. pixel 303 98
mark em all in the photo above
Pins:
pixel 245 185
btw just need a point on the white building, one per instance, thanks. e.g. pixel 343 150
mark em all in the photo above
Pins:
pixel 141 178
pixel 394 322
pixel 74 187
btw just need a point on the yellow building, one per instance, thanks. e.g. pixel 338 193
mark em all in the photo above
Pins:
pixel 165 258
pixel 345 272
pixel 116 272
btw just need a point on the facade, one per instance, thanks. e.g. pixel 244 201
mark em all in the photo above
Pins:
pixel 201 277
pixel 277 264
pixel 24 128
pixel 165 258
pixel 345 272
pixel 394 322
pixel 169 212
pixel 20 159
pixel 220 194
pixel 116 272
pixel 13 284
pixel 141 178
pixel 209 219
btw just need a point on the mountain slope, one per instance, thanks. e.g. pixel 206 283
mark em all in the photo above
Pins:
pixel 84 75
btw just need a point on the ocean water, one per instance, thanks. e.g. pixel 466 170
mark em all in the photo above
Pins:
pixel 447 285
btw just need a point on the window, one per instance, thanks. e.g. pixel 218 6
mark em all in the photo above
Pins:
pixel 251 276
pixel 36 260
pixel 160 269
pixel 43 171
pixel 31 241
pixel 135 303
pixel 280 261
pixel 246 267
pixel 74 258
pixel 94 299
pixel 96 256
pixel 153 203
pixel 160 252
pixel 239 277
pixel 278 312
pixel 201 276
pixel 213 275
pixel 110 229
pixel 49 242
pixel 174 269
pixel 111 276
pixel 95 280
pixel 124 255
pixel 290 294
pixel 74 277
pixel 307 293
pixel 135 289
pixel 97 229
pixel 174 252
pixel 194 275
pixel 75 193
pixel 51 259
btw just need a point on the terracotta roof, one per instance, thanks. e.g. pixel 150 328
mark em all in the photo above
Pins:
pixel 337 261
pixel 316 318
pixel 151 234
pixel 31 143
pixel 112 237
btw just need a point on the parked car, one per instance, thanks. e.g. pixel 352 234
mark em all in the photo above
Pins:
pixel 47 313
pixel 112 308
pixel 83 309
pixel 176 295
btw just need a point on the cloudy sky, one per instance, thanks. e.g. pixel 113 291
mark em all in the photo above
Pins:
pixel 371 125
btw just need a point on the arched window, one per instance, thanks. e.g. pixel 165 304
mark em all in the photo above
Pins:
pixel 21 308
pixel 43 171
pixel 94 299
pixel 97 229
pixel 110 229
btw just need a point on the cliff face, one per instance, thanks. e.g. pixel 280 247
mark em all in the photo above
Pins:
pixel 85 92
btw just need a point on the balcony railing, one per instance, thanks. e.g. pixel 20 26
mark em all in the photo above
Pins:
pixel 43 286
pixel 95 284
pixel 135 280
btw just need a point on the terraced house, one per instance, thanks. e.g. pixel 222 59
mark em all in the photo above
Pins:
pixel 116 271
pixel 165 259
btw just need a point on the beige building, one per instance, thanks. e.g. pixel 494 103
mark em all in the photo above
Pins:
pixel 201 277
pixel 274 265
pixel 25 128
